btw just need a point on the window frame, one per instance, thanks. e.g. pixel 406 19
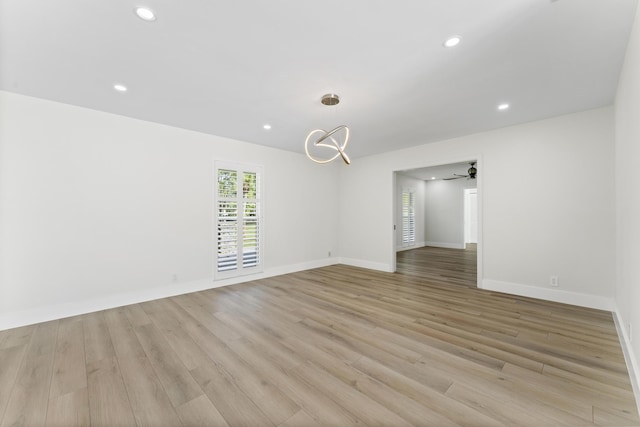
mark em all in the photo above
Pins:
pixel 240 168
pixel 410 239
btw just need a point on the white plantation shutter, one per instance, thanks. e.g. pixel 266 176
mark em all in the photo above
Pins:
pixel 237 220
pixel 408 218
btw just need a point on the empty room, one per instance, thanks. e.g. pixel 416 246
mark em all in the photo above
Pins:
pixel 346 213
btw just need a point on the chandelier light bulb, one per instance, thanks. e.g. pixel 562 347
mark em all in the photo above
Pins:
pixel 334 146
pixel 325 137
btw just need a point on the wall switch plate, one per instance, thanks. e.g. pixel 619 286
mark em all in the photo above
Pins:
pixel 553 281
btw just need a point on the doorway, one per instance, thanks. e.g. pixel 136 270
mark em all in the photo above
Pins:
pixel 448 223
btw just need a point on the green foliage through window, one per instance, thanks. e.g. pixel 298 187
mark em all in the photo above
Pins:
pixel 227 183
pixel 250 185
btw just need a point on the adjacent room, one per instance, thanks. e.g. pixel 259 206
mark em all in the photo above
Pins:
pixel 291 214
pixel 437 213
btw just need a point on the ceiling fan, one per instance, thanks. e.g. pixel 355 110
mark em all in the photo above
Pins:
pixel 472 171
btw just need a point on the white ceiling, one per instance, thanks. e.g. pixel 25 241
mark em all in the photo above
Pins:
pixel 228 67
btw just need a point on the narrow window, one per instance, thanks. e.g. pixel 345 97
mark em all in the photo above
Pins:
pixel 238 221
pixel 408 218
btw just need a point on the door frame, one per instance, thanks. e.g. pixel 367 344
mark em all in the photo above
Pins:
pixel 467 213
pixel 479 188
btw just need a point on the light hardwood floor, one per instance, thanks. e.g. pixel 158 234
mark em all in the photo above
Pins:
pixel 335 346
pixel 453 266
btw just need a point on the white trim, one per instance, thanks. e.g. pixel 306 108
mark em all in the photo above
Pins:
pixel 406 248
pixel 276 271
pixel 574 298
pixel 480 202
pixel 46 313
pixel 380 266
pixel 395 242
pixel 467 192
pixel 629 357
pixel 445 245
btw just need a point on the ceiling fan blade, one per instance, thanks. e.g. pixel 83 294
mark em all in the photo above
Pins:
pixel 456 177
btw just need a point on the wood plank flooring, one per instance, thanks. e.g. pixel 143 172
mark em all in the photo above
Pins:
pixel 335 346
pixel 454 266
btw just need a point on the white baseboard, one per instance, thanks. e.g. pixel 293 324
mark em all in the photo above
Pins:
pixel 629 357
pixel 59 311
pixel 16 319
pixel 276 271
pixel 380 266
pixel 573 298
pixel 445 245
pixel 583 300
pixel 406 248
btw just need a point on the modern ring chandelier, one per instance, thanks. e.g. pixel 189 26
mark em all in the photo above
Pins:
pixel 322 141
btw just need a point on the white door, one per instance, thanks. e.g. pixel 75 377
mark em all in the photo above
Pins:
pixel 471 215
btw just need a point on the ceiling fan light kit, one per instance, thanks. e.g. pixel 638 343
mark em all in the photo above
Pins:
pixel 329 99
pixel 471 173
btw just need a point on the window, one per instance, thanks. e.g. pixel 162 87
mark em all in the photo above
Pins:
pixel 238 222
pixel 408 218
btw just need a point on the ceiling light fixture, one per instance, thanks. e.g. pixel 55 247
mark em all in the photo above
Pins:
pixel 267 126
pixel 503 107
pixel 145 14
pixel 120 87
pixel 452 41
pixel 329 99
pixel 471 173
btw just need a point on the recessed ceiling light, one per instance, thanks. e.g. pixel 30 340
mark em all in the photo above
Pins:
pixel 267 126
pixel 503 107
pixel 145 14
pixel 119 87
pixel 452 41
pixel 433 177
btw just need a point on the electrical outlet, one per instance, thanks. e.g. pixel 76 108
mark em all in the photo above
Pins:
pixel 553 281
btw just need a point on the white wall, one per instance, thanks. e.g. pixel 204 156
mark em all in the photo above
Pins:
pixel 627 115
pixel 102 210
pixel 546 204
pixel 444 212
pixel 418 185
